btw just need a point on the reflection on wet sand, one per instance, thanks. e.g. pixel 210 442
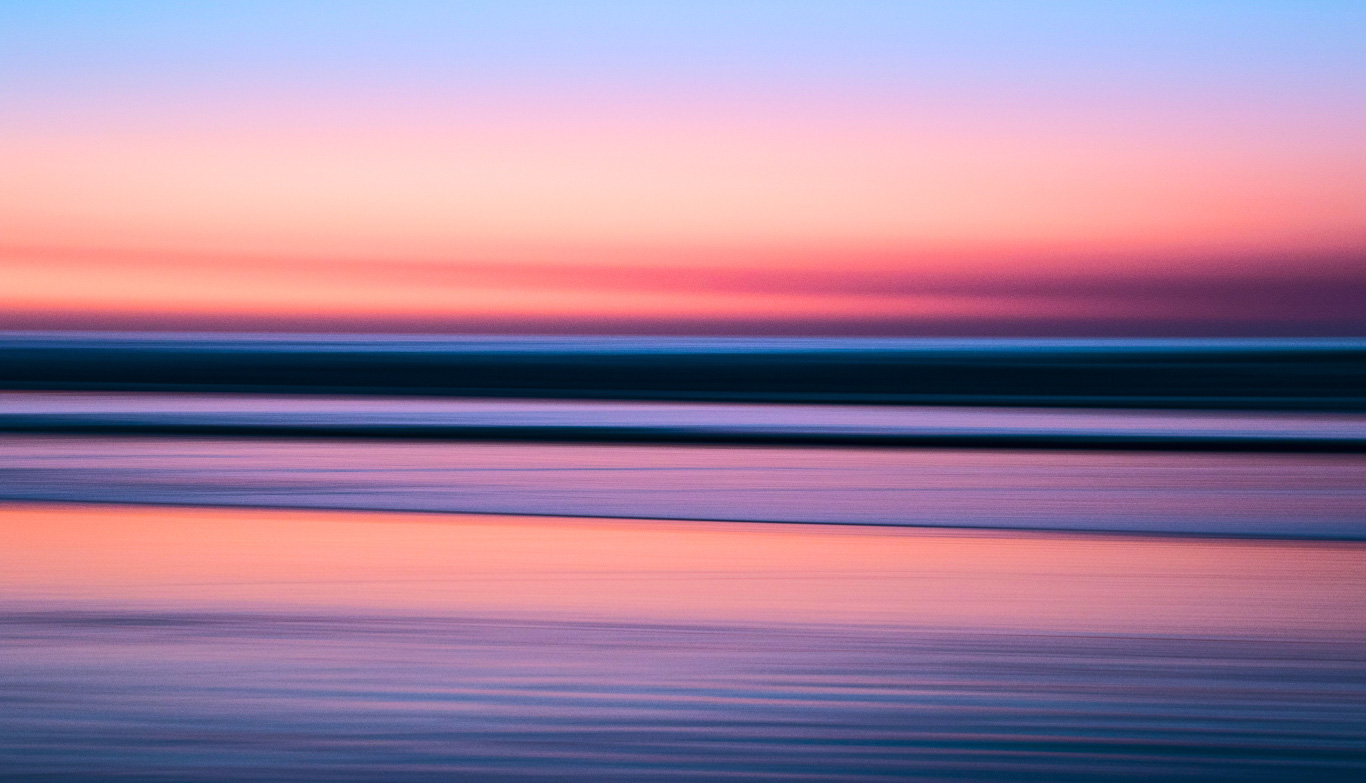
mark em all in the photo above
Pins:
pixel 677 571
pixel 286 645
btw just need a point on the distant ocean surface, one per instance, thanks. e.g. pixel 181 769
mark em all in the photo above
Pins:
pixel 359 558
pixel 1259 374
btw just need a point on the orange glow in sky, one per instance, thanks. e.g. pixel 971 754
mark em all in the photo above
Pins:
pixel 917 171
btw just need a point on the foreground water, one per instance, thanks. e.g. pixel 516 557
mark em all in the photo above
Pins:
pixel 1228 493
pixel 256 577
pixel 241 644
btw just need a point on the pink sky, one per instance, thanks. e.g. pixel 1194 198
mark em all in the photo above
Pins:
pixel 1012 190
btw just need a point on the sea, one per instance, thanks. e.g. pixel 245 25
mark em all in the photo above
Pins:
pixel 385 558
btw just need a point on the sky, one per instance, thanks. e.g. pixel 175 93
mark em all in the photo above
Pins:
pixel 852 167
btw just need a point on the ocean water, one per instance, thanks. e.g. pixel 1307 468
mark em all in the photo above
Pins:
pixel 540 420
pixel 1266 374
pixel 298 558
pixel 1210 493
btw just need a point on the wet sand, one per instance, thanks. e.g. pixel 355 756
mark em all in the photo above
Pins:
pixel 217 644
